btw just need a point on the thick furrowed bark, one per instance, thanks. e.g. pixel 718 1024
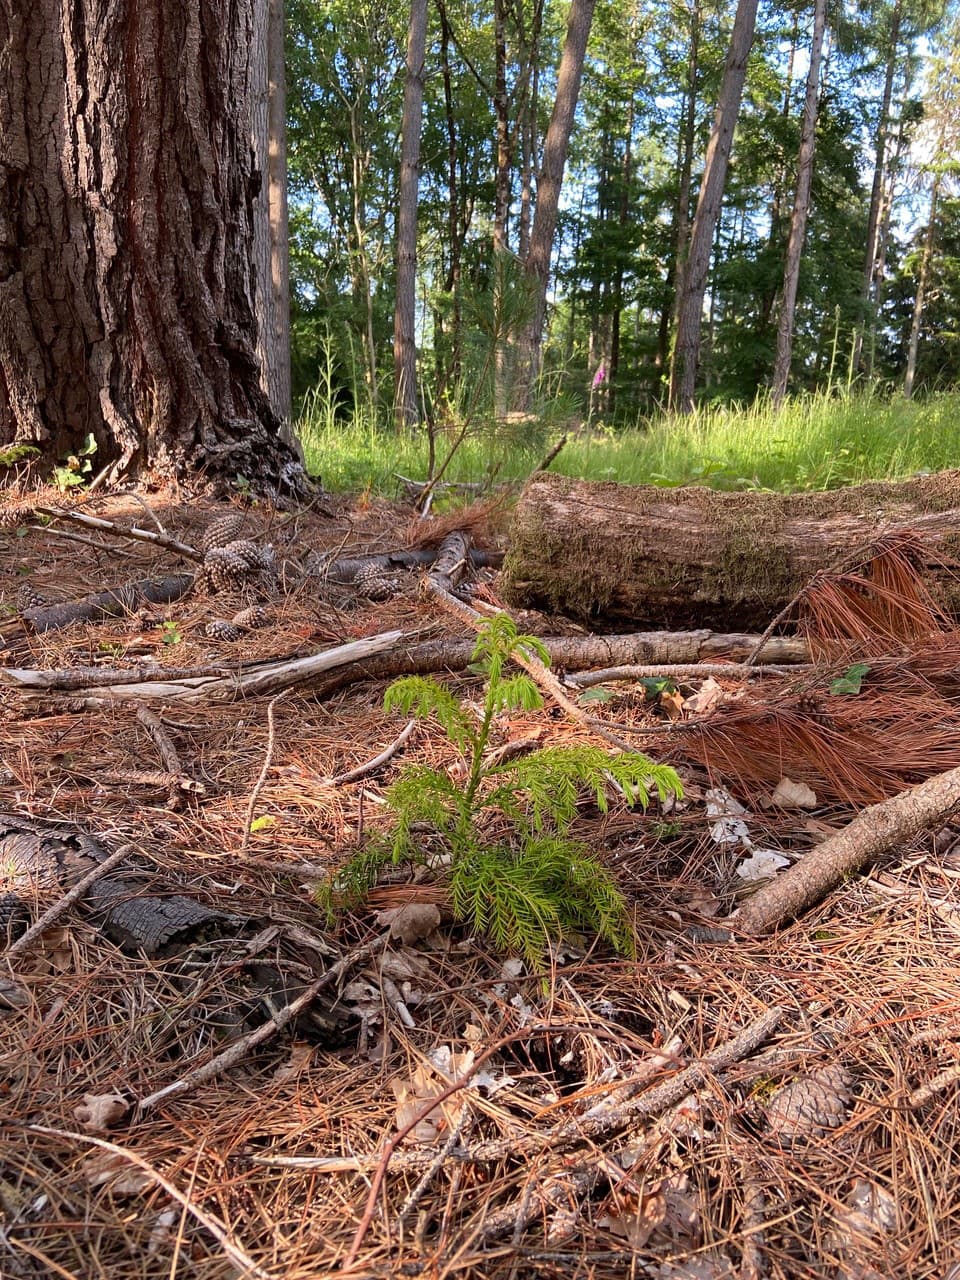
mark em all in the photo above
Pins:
pixel 127 194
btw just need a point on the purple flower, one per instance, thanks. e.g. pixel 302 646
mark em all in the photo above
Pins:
pixel 600 376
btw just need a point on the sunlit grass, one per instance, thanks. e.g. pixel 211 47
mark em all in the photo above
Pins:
pixel 809 442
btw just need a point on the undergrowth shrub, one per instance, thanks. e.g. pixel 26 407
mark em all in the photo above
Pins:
pixel 501 833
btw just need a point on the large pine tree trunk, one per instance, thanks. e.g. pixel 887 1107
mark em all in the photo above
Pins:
pixel 127 193
pixel 695 557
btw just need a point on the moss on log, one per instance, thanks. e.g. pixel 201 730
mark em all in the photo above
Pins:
pixel 651 556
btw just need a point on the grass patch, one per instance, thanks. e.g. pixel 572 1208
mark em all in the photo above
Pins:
pixel 809 443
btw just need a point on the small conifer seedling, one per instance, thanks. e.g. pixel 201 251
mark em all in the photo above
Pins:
pixel 502 831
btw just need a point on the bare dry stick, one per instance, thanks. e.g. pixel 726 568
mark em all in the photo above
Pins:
pixel 118 531
pixel 679 671
pixel 161 740
pixel 462 1122
pixel 240 1048
pixel 220 1232
pixel 69 898
pixel 264 770
pixel 260 679
pixel 361 771
pixel 872 832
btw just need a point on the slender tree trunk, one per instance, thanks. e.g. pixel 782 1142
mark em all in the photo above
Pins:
pixel 271 235
pixel 876 191
pixel 454 232
pixel 681 225
pixel 555 146
pixel 127 210
pixel 687 345
pixel 501 109
pixel 919 300
pixel 528 137
pixel 404 335
pixel 801 208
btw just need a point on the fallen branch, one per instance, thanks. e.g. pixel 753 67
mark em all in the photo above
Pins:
pixel 159 539
pixel 451 562
pixel 257 680
pixel 107 604
pixel 678 671
pixel 873 831
pixel 612 1113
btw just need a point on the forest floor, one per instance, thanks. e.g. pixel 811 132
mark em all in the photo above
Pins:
pixel 719 1106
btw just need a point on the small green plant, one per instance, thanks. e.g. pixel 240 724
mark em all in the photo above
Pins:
pixel 14 453
pixel 171 633
pixel 77 468
pixel 502 831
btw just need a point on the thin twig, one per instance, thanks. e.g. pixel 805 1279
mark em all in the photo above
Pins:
pixel 679 671
pixel 240 1048
pixel 265 769
pixel 415 1196
pixel 69 898
pixel 370 766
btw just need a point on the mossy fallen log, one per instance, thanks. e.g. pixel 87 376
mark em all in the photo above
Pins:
pixel 609 553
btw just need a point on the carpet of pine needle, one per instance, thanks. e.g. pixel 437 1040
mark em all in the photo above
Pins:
pixel 203 1186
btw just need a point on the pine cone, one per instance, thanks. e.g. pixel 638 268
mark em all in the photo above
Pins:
pixel 238 562
pixel 252 618
pixel 29 598
pixel 220 629
pixel 810 1106
pixel 374 583
pixel 221 531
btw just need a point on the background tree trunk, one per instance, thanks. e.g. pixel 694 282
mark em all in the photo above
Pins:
pixel 404 318
pixel 555 146
pixel 697 557
pixel 689 316
pixel 801 208
pixel 127 194
pixel 271 231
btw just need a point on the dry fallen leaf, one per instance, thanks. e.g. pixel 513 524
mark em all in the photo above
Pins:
pixel 300 1057
pixel 108 1168
pixel 101 1112
pixel 411 923
pixel 788 794
pixel 672 703
pixel 709 696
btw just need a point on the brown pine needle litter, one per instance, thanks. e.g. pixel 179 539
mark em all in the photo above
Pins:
pixel 784 1107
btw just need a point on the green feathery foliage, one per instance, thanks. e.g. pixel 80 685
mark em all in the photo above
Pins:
pixel 537 883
